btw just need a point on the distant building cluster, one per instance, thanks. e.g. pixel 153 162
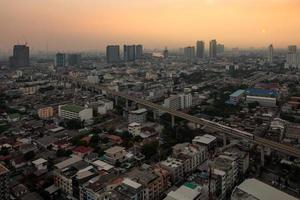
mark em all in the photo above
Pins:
pixel 130 53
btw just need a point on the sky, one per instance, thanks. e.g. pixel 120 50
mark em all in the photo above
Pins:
pixel 79 25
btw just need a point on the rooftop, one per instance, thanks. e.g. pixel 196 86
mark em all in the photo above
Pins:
pixel 205 139
pixel 74 159
pixel 188 191
pixel 72 108
pixel 261 92
pixel 114 150
pixel 139 111
pixel 237 93
pixel 259 190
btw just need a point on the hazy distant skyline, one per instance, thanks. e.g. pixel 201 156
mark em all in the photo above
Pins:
pixel 78 25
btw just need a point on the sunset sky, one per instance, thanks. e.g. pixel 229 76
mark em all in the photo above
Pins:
pixel 77 25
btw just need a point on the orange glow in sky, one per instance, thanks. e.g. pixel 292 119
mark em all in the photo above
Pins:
pixel 92 24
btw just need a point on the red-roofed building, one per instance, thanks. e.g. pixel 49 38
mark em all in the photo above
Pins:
pixel 82 151
pixel 114 138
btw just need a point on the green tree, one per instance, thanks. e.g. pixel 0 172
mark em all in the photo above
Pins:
pixel 150 149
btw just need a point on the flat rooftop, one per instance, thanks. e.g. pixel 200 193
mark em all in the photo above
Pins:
pixel 237 93
pixel 259 190
pixel 72 108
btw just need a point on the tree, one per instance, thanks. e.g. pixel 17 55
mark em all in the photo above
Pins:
pixel 95 139
pixel 150 149
pixel 63 153
pixel 29 155
pixel 74 124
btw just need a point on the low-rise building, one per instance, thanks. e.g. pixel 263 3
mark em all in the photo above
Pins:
pixel 138 116
pixel 263 101
pixel 45 112
pixel 134 128
pixel 75 112
pixel 115 154
pixel 188 191
pixel 236 97
pixel 208 141
pixel 4 183
pixel 175 168
pixel 255 189
pixel 192 155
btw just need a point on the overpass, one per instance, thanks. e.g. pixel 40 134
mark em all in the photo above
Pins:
pixel 175 113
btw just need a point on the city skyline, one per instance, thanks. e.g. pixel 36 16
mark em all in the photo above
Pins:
pixel 91 25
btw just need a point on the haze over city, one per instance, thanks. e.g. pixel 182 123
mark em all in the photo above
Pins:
pixel 92 24
pixel 149 100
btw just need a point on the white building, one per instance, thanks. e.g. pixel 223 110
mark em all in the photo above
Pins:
pixel 255 189
pixel 206 140
pixel 176 102
pixel 263 101
pixel 75 112
pixel 188 191
pixel 138 116
pixel 227 168
pixel 175 167
pixel 40 164
pixel 236 97
pixel 93 79
pixel 134 128
pixel 173 102
pixel 104 106
pixel 192 155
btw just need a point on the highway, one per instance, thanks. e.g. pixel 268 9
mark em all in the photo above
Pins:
pixel 213 125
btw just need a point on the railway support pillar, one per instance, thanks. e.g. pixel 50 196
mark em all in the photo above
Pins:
pixel 116 100
pixel 262 156
pixel 126 104
pixel 154 115
pixel 224 140
pixel 172 121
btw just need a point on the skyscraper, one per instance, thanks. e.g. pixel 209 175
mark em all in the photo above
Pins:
pixel 74 59
pixel 166 53
pixel 200 49
pixel 292 49
pixel 4 183
pixel 213 49
pixel 129 53
pixel 220 48
pixel 60 60
pixel 270 53
pixel 113 54
pixel 189 53
pixel 292 58
pixel 20 56
pixel 139 51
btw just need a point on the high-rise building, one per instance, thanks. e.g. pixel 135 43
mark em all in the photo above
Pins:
pixel 139 51
pixel 129 53
pixel 74 59
pixel 220 48
pixel 213 49
pixel 292 58
pixel 4 183
pixel 200 49
pixel 292 49
pixel 270 53
pixel 60 60
pixel 20 56
pixel 113 54
pixel 189 53
pixel 166 53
